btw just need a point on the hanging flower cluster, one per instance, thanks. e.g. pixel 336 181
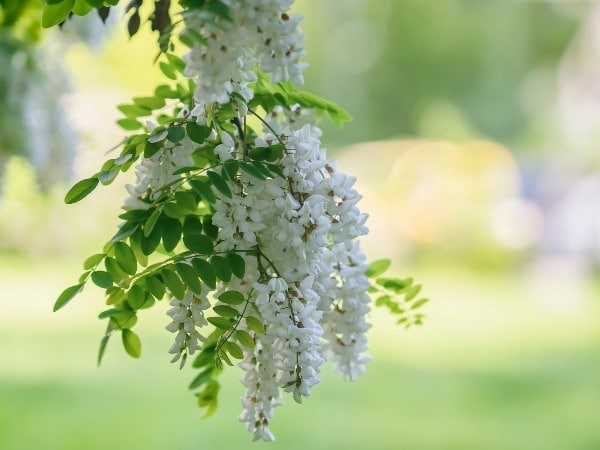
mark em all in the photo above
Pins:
pixel 238 218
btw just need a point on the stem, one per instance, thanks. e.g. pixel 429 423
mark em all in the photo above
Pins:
pixel 266 124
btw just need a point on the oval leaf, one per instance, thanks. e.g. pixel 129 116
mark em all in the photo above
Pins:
pixel 232 298
pixel 132 343
pixel 102 279
pixel 237 263
pixel 255 325
pixel 173 282
pixel 56 13
pixel 222 268
pixel 226 311
pixel 220 322
pixel 125 258
pixel 66 296
pixel 219 183
pixel 233 349
pixel 244 338
pixel 81 190
pixel 93 261
pixel 206 272
pixel 378 268
pixel 189 277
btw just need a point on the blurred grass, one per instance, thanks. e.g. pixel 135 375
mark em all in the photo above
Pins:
pixel 493 368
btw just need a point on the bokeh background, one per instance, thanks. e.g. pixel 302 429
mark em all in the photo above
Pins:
pixel 474 142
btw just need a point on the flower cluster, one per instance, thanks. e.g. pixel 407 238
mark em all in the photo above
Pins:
pixel 296 232
pixel 239 219
pixel 254 32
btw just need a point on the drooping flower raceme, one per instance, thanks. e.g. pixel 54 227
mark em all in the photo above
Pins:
pixel 257 229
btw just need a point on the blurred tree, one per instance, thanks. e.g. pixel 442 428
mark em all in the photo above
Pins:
pixel 445 58
pixel 31 84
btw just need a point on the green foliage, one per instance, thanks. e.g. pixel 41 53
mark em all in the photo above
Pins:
pixel 267 95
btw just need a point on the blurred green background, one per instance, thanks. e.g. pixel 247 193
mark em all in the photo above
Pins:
pixel 474 144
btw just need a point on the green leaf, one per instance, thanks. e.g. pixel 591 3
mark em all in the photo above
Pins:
pixel 171 233
pixel 173 282
pixel 129 124
pixel 205 358
pixel 149 102
pixel 108 313
pixel 189 277
pixel 151 148
pixel 113 268
pixel 132 343
pixel 220 322
pixel 394 284
pixel 93 261
pixel 154 286
pixel 253 171
pixel 125 230
pixel 383 300
pixel 203 189
pixel 148 302
pixel 193 238
pixel 176 62
pixel 197 133
pixel 206 272
pixel 135 241
pixel 378 267
pixel 232 297
pixel 419 303
pixel 125 319
pixel 255 325
pixel 165 91
pixel 102 279
pixel 244 338
pixel 81 7
pixel 84 276
pixel 186 169
pixel 81 190
pixel 133 111
pixel 237 263
pixel 149 243
pixel 219 183
pixel 53 14
pixel 173 210
pixel 186 200
pixel 102 348
pixel 151 222
pixel 125 258
pixel 233 349
pixel 136 296
pixel 116 295
pixel 106 177
pixel 208 397
pixel 275 170
pixel 226 311
pixel 209 229
pixel 67 295
pixel 231 167
pixel 201 378
pixel 136 215
pixel 104 342
pixel 167 70
pixel 412 292
pixel 175 134
pixel 222 268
